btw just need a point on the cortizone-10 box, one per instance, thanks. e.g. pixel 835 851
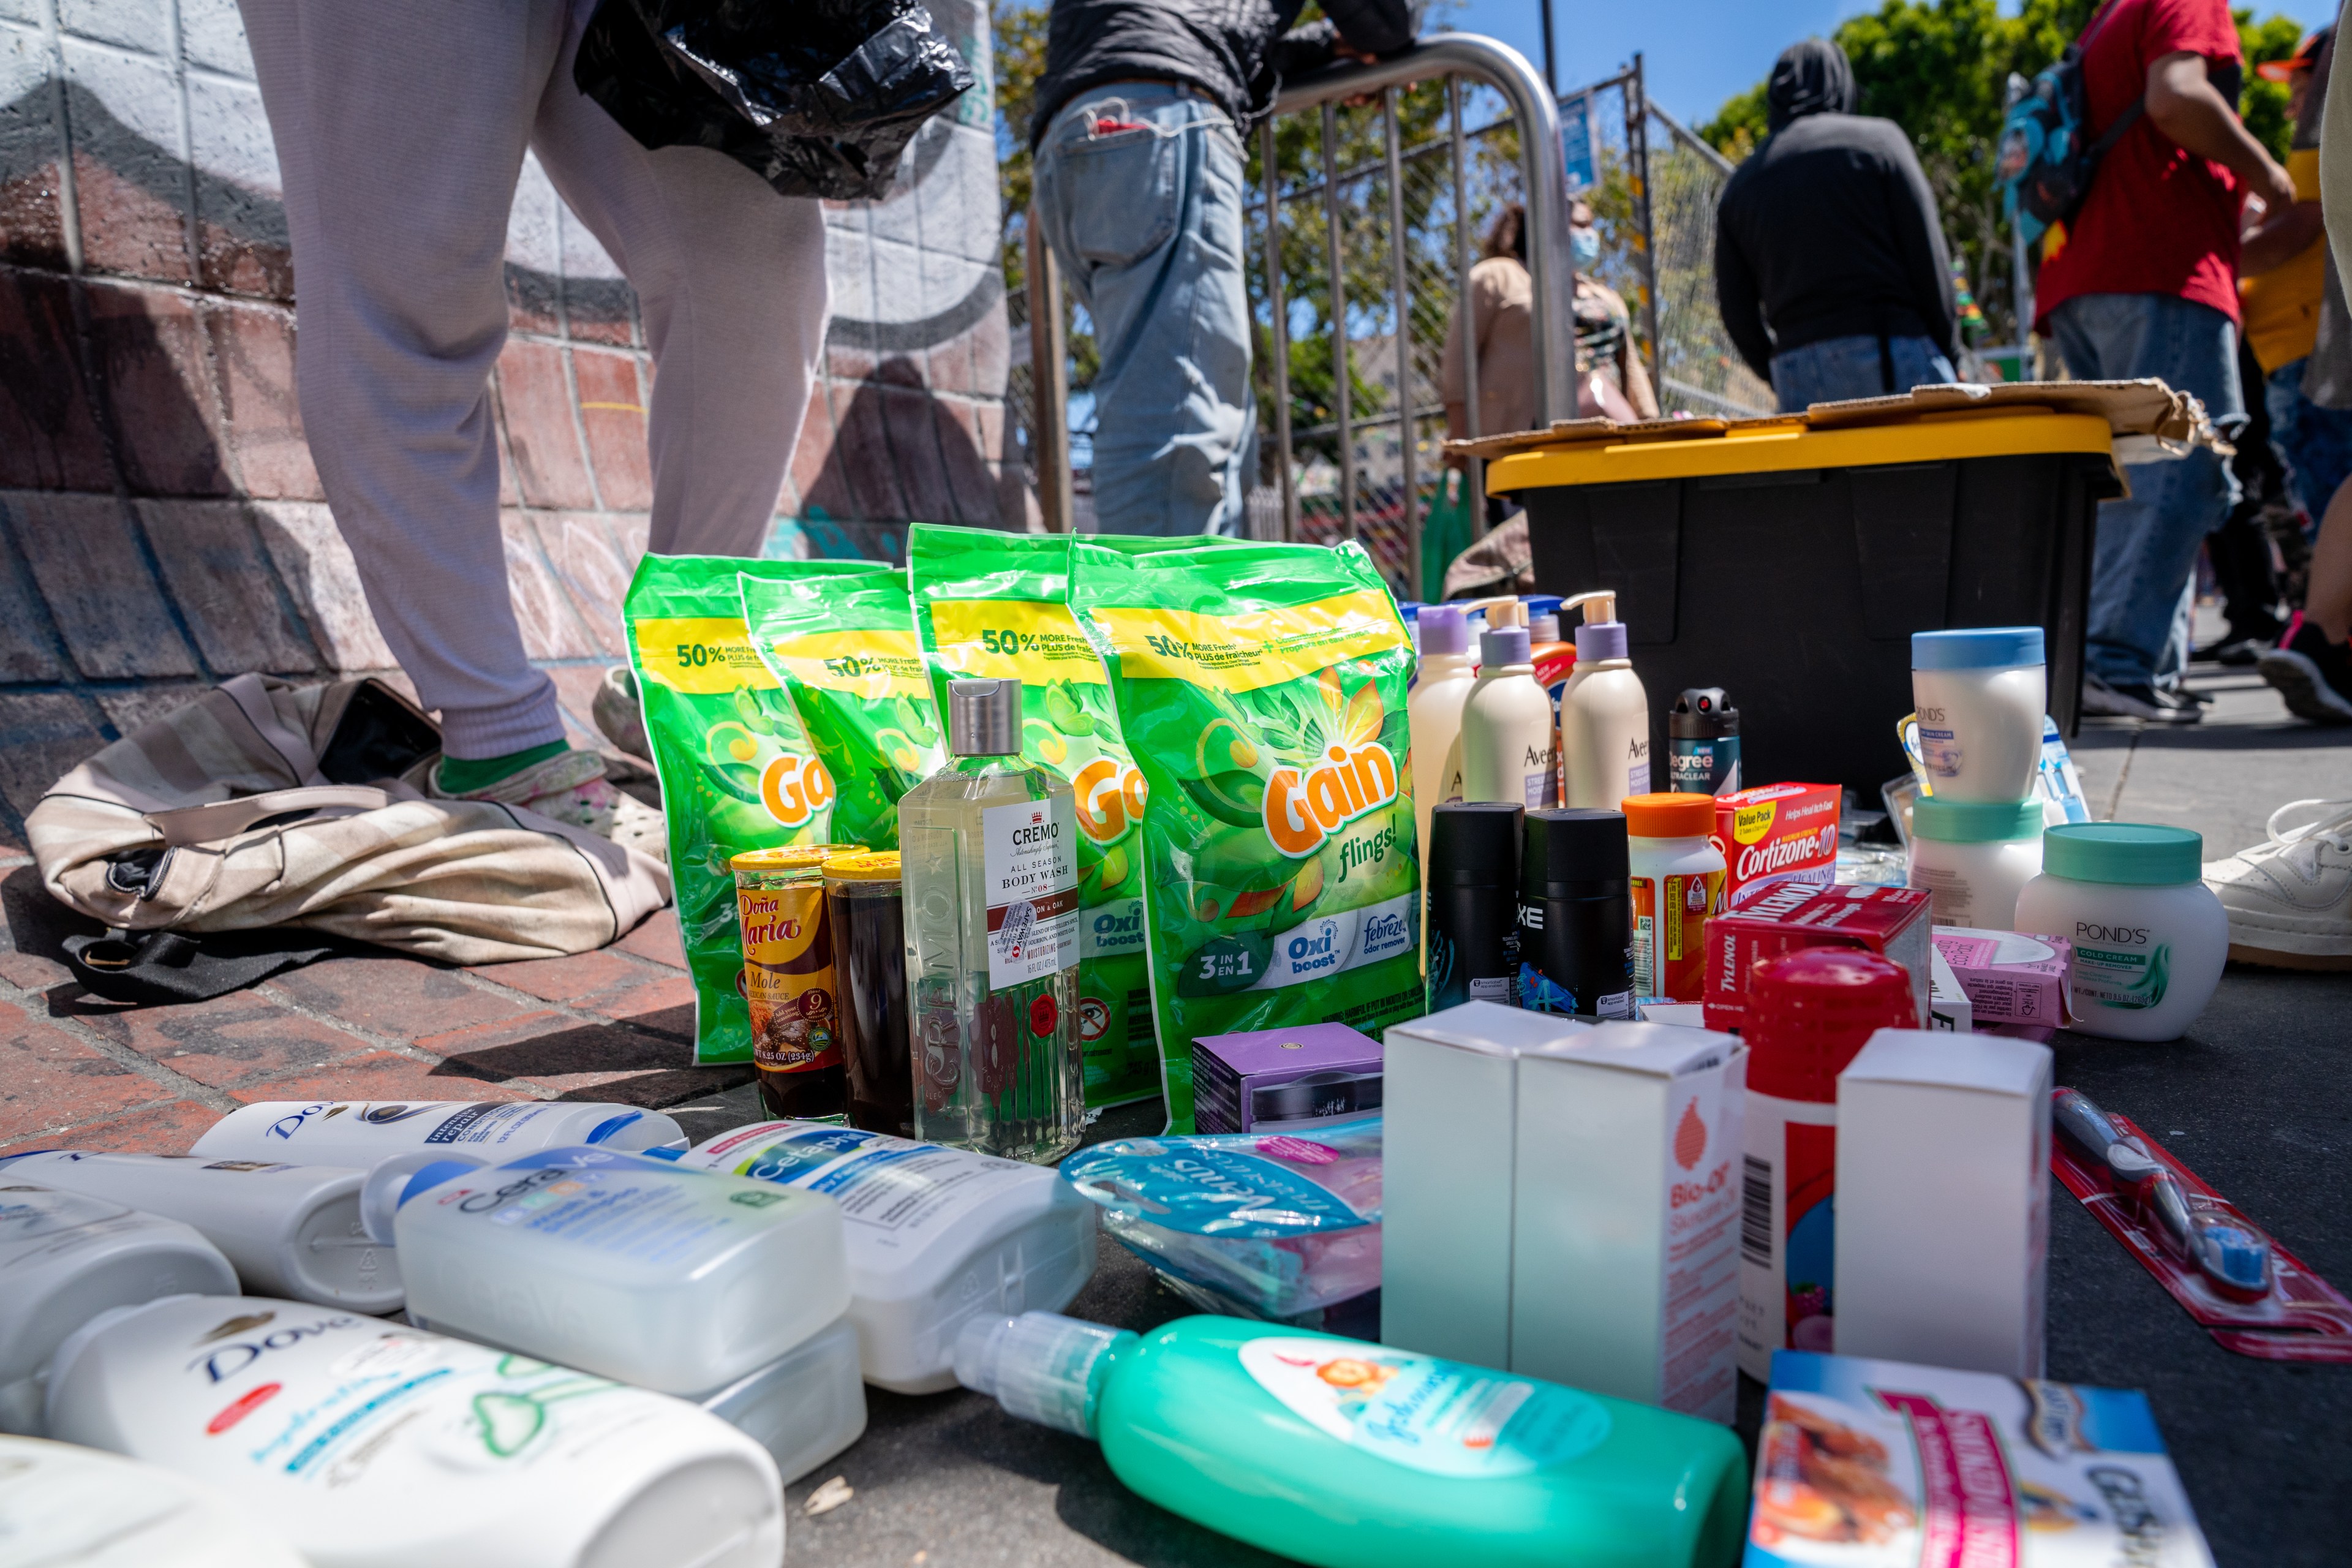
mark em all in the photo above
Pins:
pixel 1774 835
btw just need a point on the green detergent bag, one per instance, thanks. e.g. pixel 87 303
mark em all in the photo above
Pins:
pixel 845 650
pixel 1261 690
pixel 1349 1455
pixel 737 770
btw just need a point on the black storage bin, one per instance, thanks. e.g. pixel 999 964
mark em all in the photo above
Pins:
pixel 1790 566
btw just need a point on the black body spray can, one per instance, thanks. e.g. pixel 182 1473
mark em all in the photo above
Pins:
pixel 1576 915
pixel 1471 872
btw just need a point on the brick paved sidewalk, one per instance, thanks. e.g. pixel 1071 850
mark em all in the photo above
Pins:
pixel 81 1073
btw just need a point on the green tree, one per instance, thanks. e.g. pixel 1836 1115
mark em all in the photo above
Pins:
pixel 1940 69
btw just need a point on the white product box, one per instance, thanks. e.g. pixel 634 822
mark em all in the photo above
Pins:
pixel 1625 1256
pixel 1452 1094
pixel 1949 1010
pixel 1943 1206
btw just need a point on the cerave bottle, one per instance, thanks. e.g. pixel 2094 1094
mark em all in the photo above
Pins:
pixel 934 1234
pixel 375 1445
pixel 628 1267
pixel 359 1134
pixel 66 1257
pixel 289 1230
pixel 65 1506
pixel 1352 1455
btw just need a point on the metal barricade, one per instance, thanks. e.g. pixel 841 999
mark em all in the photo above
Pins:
pixel 1373 185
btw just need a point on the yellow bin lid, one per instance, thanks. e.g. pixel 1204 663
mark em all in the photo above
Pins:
pixel 1763 447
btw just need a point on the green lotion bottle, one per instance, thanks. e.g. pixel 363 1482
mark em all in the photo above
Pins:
pixel 1351 1455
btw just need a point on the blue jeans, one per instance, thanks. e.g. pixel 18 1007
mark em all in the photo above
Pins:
pixel 2314 442
pixel 2148 543
pixel 1139 191
pixel 1838 368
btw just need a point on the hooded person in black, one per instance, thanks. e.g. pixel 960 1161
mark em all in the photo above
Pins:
pixel 1829 263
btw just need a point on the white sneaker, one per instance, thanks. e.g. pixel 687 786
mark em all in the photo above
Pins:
pixel 572 788
pixel 616 710
pixel 2289 899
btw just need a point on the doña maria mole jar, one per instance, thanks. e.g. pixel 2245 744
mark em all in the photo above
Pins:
pixel 787 981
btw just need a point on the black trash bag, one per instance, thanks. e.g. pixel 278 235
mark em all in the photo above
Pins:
pixel 819 97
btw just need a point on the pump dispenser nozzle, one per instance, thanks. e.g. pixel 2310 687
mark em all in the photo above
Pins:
pixel 1602 635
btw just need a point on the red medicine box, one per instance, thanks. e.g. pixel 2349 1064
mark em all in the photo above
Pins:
pixel 1776 833
pixel 1892 922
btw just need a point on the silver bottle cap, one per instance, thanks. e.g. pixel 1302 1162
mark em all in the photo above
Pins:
pixel 984 718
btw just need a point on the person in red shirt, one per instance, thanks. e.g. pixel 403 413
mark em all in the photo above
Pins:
pixel 2146 284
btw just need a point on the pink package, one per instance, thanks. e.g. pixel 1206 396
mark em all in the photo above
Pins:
pixel 2015 980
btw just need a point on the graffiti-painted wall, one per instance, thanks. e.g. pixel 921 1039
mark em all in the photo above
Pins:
pixel 161 522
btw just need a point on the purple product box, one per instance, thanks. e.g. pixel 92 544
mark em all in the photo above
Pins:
pixel 1285 1080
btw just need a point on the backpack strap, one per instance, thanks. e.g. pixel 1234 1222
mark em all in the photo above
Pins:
pixel 227 819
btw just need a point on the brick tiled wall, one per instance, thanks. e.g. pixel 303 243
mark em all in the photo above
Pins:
pixel 162 525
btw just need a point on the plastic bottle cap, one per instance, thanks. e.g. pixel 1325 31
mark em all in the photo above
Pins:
pixel 1573 852
pixel 1669 815
pixel 1977 647
pixel 1602 639
pixel 1810 1011
pixel 1542 604
pixel 2128 854
pixel 864 865
pixel 782 857
pixel 984 717
pixel 393 1182
pixel 1444 629
pixel 1040 1365
pixel 1543 627
pixel 1703 714
pixel 1474 844
pixel 1975 821
pixel 1499 646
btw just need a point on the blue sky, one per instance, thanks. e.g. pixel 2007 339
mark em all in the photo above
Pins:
pixel 1696 53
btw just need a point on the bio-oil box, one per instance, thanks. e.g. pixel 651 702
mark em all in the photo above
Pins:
pixel 1890 921
pixel 1452 1086
pixel 1774 835
pixel 1942 1205
pixel 1625 1225
pixel 1877 1463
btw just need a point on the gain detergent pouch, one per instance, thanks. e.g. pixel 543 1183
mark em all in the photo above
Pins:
pixel 845 650
pixel 995 604
pixel 737 770
pixel 1261 689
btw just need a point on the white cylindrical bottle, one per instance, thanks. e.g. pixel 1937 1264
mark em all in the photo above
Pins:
pixel 2149 937
pixel 934 1234
pixel 1973 858
pixel 1677 876
pixel 375 1445
pixel 1979 694
pixel 289 1230
pixel 1506 734
pixel 1604 713
pixel 66 1257
pixel 1434 712
pixel 64 1506
pixel 359 1134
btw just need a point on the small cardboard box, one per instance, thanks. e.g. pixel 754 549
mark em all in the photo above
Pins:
pixel 1448 1173
pixel 1890 921
pixel 1948 1002
pixel 1625 1227
pixel 1776 833
pixel 1283 1081
pixel 1875 1464
pixel 2016 981
pixel 1943 1203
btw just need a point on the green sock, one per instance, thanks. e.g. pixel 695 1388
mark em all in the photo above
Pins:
pixel 463 775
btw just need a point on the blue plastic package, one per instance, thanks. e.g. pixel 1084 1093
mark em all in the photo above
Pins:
pixel 1276 1225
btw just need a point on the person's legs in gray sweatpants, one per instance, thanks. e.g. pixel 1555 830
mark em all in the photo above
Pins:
pixel 1139 193
pixel 401 126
